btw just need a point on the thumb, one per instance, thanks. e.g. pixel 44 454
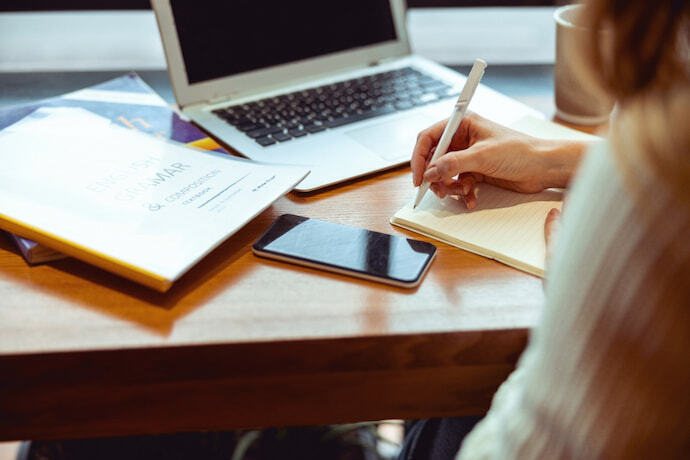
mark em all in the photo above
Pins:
pixel 453 163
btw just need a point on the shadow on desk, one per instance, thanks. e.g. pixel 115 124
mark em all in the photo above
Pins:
pixel 202 280
pixel 222 273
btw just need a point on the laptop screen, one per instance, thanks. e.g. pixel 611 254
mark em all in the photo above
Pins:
pixel 223 38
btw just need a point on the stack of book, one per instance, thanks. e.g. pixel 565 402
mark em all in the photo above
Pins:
pixel 112 175
pixel 127 101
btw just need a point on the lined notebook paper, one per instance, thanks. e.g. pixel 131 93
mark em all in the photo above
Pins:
pixel 506 226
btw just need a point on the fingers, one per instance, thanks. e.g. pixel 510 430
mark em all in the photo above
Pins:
pixel 472 128
pixel 551 225
pixel 467 190
pixel 471 198
pixel 467 182
pixel 463 187
pixel 438 189
pixel 423 149
pixel 454 163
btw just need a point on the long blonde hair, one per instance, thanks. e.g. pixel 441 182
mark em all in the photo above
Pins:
pixel 646 66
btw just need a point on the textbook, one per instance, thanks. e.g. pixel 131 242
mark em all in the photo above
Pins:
pixel 125 201
pixel 127 101
pixel 506 226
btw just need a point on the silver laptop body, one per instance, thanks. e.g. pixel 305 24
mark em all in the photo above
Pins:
pixel 233 64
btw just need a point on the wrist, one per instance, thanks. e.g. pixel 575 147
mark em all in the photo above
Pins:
pixel 560 159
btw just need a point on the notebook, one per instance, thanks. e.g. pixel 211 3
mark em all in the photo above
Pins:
pixel 332 86
pixel 506 226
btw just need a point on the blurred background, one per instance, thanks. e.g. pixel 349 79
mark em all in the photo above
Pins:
pixel 82 35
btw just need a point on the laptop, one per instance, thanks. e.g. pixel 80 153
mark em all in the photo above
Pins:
pixel 330 85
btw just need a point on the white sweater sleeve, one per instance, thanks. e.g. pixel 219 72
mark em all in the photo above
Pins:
pixel 607 371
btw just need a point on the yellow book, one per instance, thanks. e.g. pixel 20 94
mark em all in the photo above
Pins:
pixel 141 207
pixel 506 226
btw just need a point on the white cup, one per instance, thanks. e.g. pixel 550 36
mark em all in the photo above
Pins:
pixel 576 101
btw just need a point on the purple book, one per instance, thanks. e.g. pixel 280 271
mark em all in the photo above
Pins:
pixel 126 100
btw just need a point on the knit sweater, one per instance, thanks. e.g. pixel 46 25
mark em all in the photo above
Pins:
pixel 606 373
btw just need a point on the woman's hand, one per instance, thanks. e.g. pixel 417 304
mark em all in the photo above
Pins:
pixel 552 225
pixel 484 151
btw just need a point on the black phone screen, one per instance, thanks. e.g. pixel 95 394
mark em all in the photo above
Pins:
pixel 340 248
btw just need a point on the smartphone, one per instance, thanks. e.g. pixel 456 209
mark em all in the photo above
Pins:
pixel 346 250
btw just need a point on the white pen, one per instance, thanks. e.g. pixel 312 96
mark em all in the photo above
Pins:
pixel 455 118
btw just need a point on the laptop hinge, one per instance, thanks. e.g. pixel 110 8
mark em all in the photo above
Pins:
pixel 384 61
pixel 217 100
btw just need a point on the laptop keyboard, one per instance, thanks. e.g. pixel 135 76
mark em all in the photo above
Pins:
pixel 294 115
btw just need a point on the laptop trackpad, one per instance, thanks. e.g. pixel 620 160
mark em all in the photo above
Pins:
pixel 393 139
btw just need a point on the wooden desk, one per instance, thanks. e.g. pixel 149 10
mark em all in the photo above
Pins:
pixel 245 342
